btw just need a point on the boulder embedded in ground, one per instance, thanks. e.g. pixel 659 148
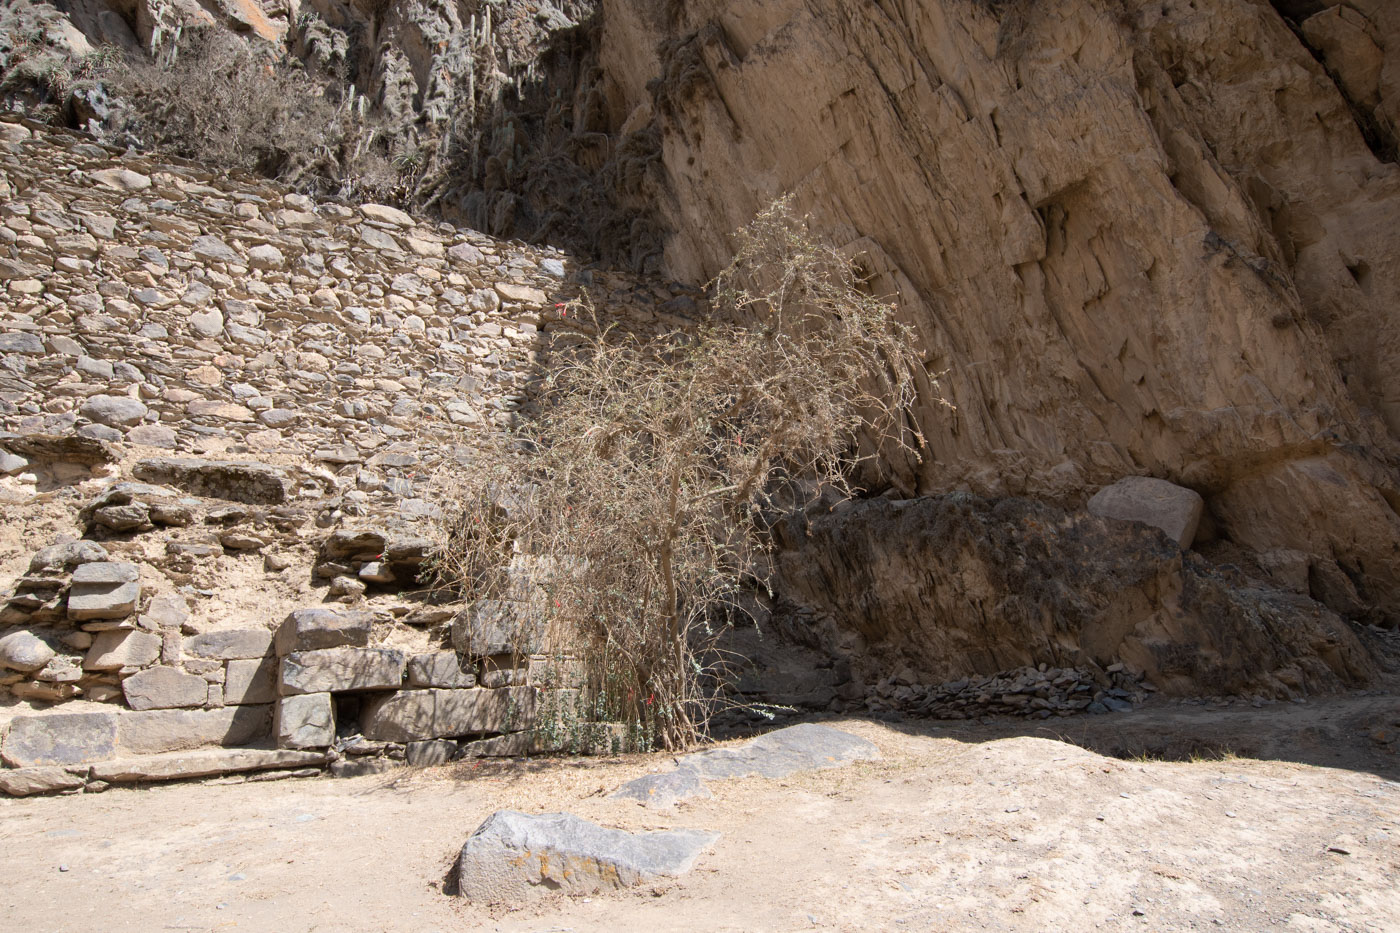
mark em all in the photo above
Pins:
pixel 59 739
pixel 316 628
pixel 807 747
pixel 164 688
pixel 335 670
pixel 513 856
pixel 103 591
pixel 24 651
pixel 666 789
pixel 25 782
pixel 118 648
pixel 234 644
pixel 173 730
pixel 306 721
pixel 1172 508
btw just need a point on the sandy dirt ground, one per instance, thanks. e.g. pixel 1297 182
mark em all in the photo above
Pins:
pixel 984 827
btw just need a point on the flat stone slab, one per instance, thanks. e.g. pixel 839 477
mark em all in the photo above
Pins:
pixel 172 730
pixel 174 767
pixel 164 688
pixel 26 782
pixel 59 739
pixel 665 790
pixel 234 644
pixel 513 856
pixel 335 670
pixel 316 628
pixel 236 481
pixel 805 747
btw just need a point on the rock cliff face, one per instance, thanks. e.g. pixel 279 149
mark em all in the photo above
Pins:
pixel 1136 237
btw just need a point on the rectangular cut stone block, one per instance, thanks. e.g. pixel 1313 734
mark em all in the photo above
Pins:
pixel 59 739
pixel 118 648
pixel 438 669
pixel 230 645
pixel 164 688
pixel 406 716
pixel 427 754
pixel 203 763
pixel 306 721
pixel 250 681
pixel 316 628
pixel 336 670
pixel 104 590
pixel 173 730
pixel 465 712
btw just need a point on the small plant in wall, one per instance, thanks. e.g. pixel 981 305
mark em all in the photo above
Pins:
pixel 638 504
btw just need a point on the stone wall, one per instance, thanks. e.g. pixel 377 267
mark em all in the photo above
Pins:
pixel 219 407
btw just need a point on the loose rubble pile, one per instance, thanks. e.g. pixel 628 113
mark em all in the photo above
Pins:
pixel 219 407
pixel 1033 692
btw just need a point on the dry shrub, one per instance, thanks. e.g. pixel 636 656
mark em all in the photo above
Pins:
pixel 628 522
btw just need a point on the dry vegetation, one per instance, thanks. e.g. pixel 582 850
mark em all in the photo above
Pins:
pixel 628 522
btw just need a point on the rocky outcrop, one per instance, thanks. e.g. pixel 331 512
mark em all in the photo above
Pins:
pixel 1135 238
pixel 955 585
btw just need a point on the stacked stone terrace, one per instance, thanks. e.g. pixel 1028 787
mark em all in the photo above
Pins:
pixel 220 409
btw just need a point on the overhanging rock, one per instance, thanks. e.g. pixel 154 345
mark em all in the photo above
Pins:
pixel 513 856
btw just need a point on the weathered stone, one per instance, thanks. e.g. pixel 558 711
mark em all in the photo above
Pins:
pixel 59 739
pixel 118 648
pixel 512 856
pixel 63 558
pixel 26 782
pixel 221 411
pixel 153 435
pixel 230 644
pixel 362 767
pixel 175 766
pixel 385 214
pixel 522 293
pixel 1156 502
pixel 807 747
pixel 122 179
pixel 24 651
pixel 21 342
pixel 155 731
pixel 464 712
pixel 438 669
pixel 666 789
pixel 213 249
pixel 114 410
pixel 106 573
pixel 492 627
pixel 63 448
pixel 405 716
pixel 306 721
pixel 250 681
pixel 315 628
pixel 236 481
pixel 164 688
pixel 266 256
pixel 427 754
pixel 334 670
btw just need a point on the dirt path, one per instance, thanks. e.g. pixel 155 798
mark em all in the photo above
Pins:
pixel 952 830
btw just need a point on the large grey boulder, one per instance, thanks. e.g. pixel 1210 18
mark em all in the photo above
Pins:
pixel 806 747
pixel 335 670
pixel 164 688
pixel 24 651
pixel 59 739
pixel 513 856
pixel 1156 502
pixel 316 628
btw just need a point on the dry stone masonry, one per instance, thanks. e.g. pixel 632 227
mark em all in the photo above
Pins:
pixel 219 405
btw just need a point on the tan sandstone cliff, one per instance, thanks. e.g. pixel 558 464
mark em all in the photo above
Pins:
pixel 1137 237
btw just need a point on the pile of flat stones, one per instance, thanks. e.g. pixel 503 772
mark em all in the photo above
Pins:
pixel 1032 692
